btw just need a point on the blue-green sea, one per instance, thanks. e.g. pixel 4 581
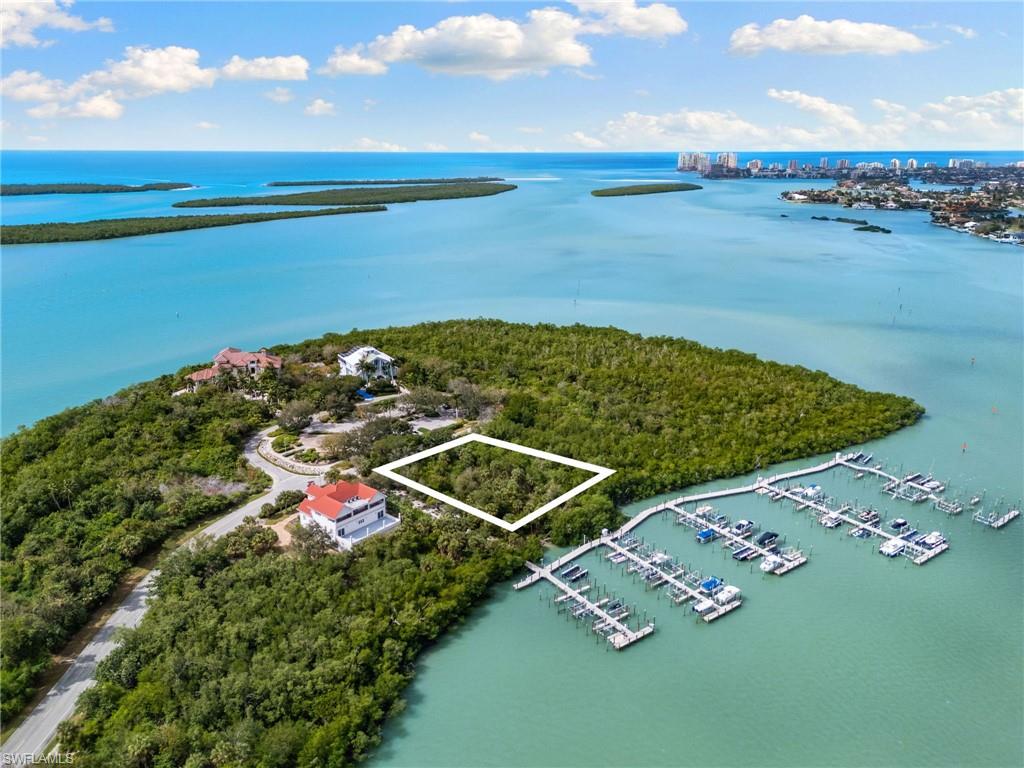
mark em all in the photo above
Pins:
pixel 852 660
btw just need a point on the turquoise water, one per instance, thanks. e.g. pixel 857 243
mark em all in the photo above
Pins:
pixel 852 660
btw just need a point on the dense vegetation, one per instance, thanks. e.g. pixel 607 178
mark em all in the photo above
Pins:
pixel 502 483
pixel 105 229
pixel 254 658
pixel 664 412
pixel 250 659
pixel 81 189
pixel 645 189
pixel 89 492
pixel 872 228
pixel 359 195
pixel 389 182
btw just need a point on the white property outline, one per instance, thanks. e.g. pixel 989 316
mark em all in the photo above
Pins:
pixel 600 473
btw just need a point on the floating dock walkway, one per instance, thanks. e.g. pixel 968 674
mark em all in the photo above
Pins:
pixel 995 520
pixel 621 635
pixel 698 522
pixel 918 555
pixel 683 590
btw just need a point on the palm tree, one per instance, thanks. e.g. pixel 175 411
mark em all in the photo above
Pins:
pixel 367 368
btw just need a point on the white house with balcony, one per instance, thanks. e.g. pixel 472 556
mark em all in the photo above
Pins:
pixel 367 363
pixel 348 512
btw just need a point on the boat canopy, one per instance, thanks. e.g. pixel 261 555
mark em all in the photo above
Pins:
pixel 710 584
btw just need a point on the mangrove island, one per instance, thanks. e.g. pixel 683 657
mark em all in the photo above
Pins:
pixel 645 189
pixel 84 189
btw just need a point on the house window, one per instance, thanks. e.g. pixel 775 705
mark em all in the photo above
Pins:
pixel 380 514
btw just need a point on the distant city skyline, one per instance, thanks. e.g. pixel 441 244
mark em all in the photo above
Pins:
pixel 470 76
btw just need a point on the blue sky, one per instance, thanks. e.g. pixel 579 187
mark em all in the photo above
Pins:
pixel 512 76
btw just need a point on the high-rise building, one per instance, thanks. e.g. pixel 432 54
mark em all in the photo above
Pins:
pixel 954 163
pixel 793 165
pixel 894 164
pixel 911 164
pixel 727 159
pixel 754 165
pixel 930 165
pixel 823 163
pixel 693 161
pixel 843 164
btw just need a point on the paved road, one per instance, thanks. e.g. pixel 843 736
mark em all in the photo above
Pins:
pixel 39 728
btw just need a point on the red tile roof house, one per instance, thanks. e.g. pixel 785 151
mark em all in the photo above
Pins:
pixel 348 512
pixel 234 360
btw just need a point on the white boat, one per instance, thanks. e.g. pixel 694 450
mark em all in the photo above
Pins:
pixel 932 540
pixel 704 606
pixel 772 564
pixel 892 547
pixel 742 528
pixel 727 595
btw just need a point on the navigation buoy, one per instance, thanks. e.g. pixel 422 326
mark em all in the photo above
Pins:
pixel 963 448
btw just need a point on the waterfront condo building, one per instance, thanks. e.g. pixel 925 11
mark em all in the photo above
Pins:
pixel 347 512
pixel 367 363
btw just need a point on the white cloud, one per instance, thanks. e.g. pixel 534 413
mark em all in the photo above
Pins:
pixel 37 139
pixel 889 107
pixel 366 144
pixel 31 86
pixel 281 95
pixel 531 129
pixel 587 142
pixel 626 17
pixel 319 108
pixel 433 146
pixel 838 115
pixel 805 34
pixel 682 129
pixel 483 44
pixel 266 68
pixel 967 32
pixel 479 138
pixel 352 62
pixel 141 73
pixel 206 125
pixel 19 21
pixel 101 105
pixel 151 71
pixel 990 120
pixel 369 104
pixel 997 116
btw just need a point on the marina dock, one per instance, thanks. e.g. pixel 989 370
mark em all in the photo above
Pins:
pixel 917 554
pixel 711 597
pixel 682 589
pixel 994 519
pixel 620 635
pixel 790 562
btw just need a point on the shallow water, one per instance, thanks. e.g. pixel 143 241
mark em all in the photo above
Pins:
pixel 853 659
